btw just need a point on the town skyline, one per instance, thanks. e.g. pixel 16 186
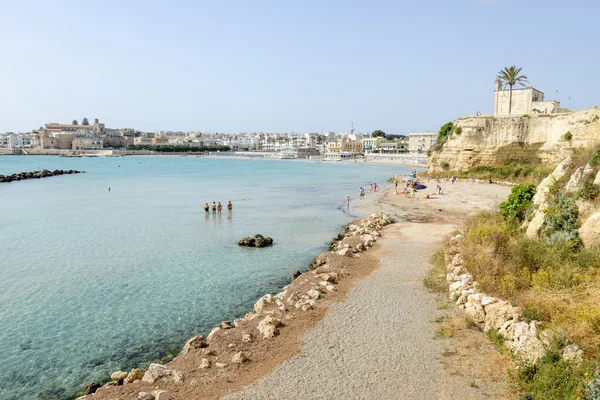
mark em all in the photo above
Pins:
pixel 267 67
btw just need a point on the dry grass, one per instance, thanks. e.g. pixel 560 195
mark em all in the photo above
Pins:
pixel 556 284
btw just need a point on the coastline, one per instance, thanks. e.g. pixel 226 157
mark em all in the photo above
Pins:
pixel 225 376
pixel 288 315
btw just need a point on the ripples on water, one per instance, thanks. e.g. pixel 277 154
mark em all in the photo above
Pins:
pixel 96 281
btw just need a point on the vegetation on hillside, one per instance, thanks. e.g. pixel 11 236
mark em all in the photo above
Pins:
pixel 552 278
pixel 177 149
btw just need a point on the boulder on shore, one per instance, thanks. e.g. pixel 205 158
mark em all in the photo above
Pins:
pixel 256 241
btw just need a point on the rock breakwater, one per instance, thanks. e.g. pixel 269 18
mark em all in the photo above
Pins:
pixel 235 346
pixel 44 173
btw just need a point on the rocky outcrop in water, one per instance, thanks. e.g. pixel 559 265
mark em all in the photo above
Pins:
pixel 37 174
pixel 256 241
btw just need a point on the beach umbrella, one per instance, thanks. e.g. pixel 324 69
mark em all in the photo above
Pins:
pixel 410 178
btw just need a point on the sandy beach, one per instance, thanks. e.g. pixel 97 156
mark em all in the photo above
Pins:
pixel 376 336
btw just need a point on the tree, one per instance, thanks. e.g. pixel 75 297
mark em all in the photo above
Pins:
pixel 85 121
pixel 74 122
pixel 510 77
pixel 378 133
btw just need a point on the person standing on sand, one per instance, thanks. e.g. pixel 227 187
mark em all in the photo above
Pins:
pixel 413 194
pixel 370 187
pixel 375 187
pixel 214 207
pixel 206 208
pixel 229 206
pixel 347 201
pixel 396 183
pixel 219 207
pixel 361 193
pixel 453 179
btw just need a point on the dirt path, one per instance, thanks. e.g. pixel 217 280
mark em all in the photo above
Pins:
pixel 382 341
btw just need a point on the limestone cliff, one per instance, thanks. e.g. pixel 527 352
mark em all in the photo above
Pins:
pixel 487 140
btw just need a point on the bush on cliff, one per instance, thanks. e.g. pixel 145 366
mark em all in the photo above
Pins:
pixel 561 222
pixel 443 134
pixel 595 158
pixel 515 207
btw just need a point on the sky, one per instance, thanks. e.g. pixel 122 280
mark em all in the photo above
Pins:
pixel 286 66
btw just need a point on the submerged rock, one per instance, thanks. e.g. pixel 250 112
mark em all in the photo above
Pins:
pixel 256 241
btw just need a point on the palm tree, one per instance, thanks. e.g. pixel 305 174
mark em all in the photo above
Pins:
pixel 510 77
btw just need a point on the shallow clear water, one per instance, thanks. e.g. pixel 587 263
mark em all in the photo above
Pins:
pixel 95 281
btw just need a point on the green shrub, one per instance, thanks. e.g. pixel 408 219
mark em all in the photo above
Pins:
pixel 561 223
pixel 515 207
pixel 445 165
pixel 498 339
pixel 568 136
pixel 550 378
pixel 458 130
pixel 595 158
pixel 588 191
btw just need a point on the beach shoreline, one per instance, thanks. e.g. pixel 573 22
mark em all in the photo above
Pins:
pixel 289 342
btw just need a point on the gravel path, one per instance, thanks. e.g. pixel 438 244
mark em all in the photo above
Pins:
pixel 380 342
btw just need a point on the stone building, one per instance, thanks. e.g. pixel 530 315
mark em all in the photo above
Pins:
pixel 524 101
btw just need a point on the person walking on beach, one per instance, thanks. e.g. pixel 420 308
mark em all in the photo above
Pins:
pixel 375 187
pixel 229 206
pixel 396 183
pixel 206 208
pixel 453 179
pixel 413 194
pixel 439 189
pixel 347 201
pixel 219 207
pixel 214 207
pixel 371 188
pixel 361 193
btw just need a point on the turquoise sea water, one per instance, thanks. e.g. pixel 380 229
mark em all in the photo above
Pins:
pixel 95 281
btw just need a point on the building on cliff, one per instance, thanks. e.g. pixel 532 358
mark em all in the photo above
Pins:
pixel 524 101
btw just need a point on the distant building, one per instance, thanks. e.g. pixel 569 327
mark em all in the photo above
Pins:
pixel 16 140
pixel 524 101
pixel 421 142
pixel 371 144
pixel 87 143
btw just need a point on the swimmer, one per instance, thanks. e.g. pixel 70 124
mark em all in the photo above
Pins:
pixel 214 207
pixel 219 207
pixel 206 208
pixel 109 188
pixel 229 206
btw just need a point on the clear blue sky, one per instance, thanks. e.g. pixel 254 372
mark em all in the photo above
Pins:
pixel 283 65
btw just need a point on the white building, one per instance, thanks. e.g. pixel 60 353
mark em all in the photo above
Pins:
pixel 18 140
pixel 524 101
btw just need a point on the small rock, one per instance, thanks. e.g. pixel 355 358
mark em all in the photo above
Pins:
pixel 226 325
pixel 231 346
pixel 314 294
pixel 145 396
pixel 118 376
pixel 220 365
pixel 246 338
pixel 239 358
pixel 345 252
pixel 204 363
pixel 91 388
pixel 572 353
pixel 197 342
pixel 134 375
pixel 161 395
pixel 330 287
pixel 158 371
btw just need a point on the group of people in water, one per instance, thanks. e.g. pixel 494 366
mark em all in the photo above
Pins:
pixel 217 207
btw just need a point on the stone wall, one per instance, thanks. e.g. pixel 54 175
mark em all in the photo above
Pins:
pixel 537 138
